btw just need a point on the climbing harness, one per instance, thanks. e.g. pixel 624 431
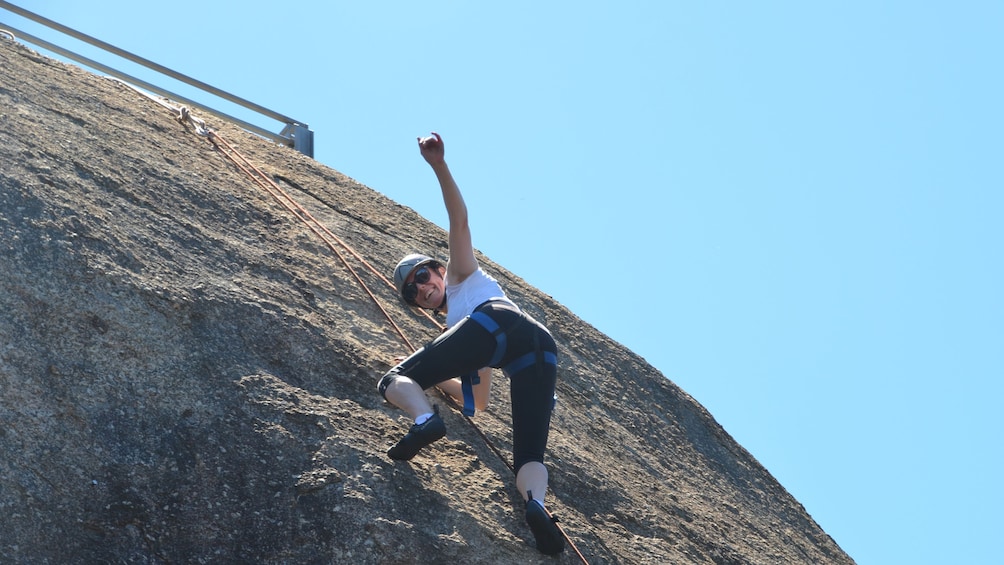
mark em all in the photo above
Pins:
pixel 340 248
pixel 497 332
pixel 467 383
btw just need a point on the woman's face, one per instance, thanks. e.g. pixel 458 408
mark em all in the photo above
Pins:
pixel 429 286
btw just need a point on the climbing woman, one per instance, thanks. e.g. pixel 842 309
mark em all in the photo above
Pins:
pixel 485 330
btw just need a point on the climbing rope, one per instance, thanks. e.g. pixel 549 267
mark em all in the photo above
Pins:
pixel 288 202
pixel 183 115
pixel 338 246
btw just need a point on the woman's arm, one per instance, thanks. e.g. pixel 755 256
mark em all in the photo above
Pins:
pixel 462 261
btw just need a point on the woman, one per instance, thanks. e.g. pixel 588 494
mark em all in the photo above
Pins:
pixel 485 330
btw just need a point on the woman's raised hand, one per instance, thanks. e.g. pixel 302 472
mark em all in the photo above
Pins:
pixel 432 148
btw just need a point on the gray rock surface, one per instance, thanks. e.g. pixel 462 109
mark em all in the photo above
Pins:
pixel 187 373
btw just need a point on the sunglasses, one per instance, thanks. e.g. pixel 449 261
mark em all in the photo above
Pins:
pixel 410 292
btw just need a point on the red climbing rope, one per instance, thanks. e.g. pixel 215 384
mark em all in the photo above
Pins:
pixel 288 202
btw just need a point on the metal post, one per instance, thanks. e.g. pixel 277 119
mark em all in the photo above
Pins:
pixel 303 138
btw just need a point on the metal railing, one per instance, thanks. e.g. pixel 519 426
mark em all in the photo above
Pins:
pixel 295 134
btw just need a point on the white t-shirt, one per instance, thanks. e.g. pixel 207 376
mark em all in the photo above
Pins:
pixel 475 290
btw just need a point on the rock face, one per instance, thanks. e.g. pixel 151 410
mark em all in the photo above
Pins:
pixel 187 373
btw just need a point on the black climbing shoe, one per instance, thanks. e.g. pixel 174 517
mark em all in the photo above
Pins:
pixel 418 437
pixel 545 531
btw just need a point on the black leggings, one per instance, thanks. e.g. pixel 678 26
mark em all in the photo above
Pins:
pixel 496 335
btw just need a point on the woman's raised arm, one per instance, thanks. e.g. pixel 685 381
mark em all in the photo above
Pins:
pixel 462 261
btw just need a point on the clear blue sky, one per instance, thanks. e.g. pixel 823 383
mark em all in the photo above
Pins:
pixel 792 209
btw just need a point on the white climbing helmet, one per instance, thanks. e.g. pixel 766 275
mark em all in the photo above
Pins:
pixel 406 266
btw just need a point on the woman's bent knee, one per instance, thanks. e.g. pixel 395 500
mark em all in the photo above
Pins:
pixel 386 381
